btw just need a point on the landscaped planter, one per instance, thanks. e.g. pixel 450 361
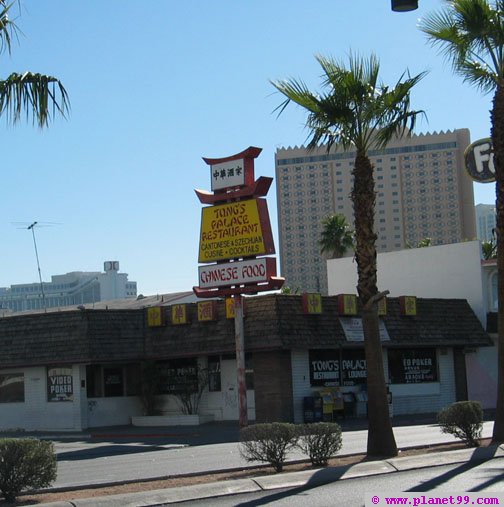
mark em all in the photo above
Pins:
pixel 171 420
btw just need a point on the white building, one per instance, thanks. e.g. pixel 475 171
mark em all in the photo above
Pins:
pixel 445 271
pixel 77 287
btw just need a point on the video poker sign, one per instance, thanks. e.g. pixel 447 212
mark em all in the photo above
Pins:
pixel 59 384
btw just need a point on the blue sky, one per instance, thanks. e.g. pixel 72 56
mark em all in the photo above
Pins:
pixel 156 85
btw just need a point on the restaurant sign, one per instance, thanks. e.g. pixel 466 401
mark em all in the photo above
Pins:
pixel 352 326
pixel 237 273
pixel 479 161
pixel 235 230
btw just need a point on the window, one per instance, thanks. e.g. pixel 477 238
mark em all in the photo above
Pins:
pixel 12 388
pixel 214 373
pixel 412 366
pixel 113 382
pixel 179 376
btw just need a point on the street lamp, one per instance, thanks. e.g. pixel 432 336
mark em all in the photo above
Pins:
pixel 404 5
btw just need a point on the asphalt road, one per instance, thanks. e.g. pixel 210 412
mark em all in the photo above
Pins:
pixel 84 463
pixel 453 479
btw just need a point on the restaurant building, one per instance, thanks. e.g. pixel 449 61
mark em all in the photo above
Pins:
pixel 70 370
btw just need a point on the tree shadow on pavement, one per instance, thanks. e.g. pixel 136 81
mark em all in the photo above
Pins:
pixel 107 451
pixel 480 455
pixel 319 478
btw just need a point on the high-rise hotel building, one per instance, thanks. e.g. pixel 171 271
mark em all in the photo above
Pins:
pixel 422 191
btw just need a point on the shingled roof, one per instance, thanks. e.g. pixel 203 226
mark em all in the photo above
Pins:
pixel 271 322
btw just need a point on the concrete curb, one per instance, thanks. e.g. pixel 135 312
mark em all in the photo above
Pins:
pixel 303 479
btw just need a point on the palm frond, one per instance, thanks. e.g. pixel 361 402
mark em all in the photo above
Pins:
pixel 7 27
pixel 38 96
pixel 470 34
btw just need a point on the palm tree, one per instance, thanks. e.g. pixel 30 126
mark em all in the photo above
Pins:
pixel 356 110
pixel 470 33
pixel 336 237
pixel 488 249
pixel 28 94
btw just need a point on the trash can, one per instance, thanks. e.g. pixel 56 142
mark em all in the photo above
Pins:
pixel 317 408
pixel 309 409
pixel 350 404
pixel 327 406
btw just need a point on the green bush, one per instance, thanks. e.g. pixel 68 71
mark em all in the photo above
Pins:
pixel 25 464
pixel 320 441
pixel 268 443
pixel 464 420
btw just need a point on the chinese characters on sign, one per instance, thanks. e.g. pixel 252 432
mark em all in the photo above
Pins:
pixel 228 174
pixel 207 311
pixel 312 303
pixel 179 314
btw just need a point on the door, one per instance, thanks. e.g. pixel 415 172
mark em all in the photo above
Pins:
pixel 229 388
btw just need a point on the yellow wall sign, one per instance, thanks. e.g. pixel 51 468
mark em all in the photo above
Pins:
pixel 230 309
pixel 311 303
pixel 207 311
pixel 235 230
pixel 179 314
pixel 155 316
pixel 408 305
pixel 347 304
pixel 382 306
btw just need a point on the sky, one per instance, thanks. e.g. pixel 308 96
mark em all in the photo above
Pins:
pixel 155 86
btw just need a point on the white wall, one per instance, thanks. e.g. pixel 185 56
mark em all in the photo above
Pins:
pixel 445 271
pixel 36 413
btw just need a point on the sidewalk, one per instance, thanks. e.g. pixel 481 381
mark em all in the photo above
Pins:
pixel 150 450
pixel 304 479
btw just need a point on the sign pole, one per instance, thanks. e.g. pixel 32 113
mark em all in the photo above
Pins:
pixel 240 360
pixel 235 227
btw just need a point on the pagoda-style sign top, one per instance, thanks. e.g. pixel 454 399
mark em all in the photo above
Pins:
pixel 233 177
pixel 235 230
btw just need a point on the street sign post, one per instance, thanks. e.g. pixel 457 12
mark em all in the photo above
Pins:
pixel 235 232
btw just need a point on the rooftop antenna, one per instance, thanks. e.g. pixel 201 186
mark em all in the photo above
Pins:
pixel 32 229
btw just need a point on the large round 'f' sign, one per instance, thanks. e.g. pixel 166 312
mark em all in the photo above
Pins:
pixel 479 161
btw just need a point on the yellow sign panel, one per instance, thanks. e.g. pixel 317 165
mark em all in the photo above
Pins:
pixel 230 309
pixel 347 304
pixel 207 311
pixel 312 303
pixel 408 305
pixel 179 314
pixel 235 230
pixel 155 316
pixel 382 306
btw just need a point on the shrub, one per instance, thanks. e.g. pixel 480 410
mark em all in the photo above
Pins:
pixel 464 420
pixel 268 443
pixel 25 464
pixel 320 441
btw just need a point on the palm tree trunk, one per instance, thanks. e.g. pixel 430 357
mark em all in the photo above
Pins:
pixel 381 441
pixel 498 147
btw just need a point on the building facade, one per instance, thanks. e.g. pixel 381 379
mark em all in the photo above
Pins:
pixel 75 288
pixel 444 271
pixel 485 222
pixel 74 369
pixel 422 190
